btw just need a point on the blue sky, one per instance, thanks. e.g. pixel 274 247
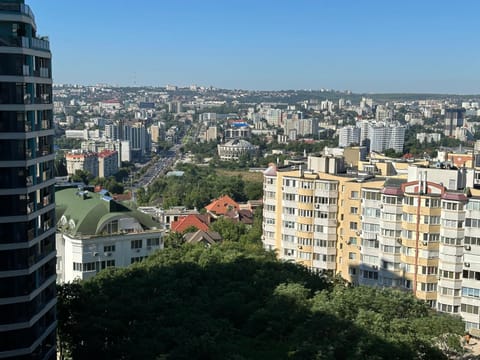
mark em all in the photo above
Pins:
pixel 363 46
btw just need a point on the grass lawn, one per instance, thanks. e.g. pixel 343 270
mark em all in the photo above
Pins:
pixel 245 174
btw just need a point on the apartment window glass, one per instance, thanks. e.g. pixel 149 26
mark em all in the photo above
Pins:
pixel 136 244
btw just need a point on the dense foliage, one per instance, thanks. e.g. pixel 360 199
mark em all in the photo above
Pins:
pixel 197 187
pixel 236 301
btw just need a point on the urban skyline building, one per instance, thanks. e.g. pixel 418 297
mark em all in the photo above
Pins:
pixel 27 219
pixel 411 227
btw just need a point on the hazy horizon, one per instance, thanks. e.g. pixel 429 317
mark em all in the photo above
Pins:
pixel 365 47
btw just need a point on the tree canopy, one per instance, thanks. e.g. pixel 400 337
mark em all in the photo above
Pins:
pixel 237 301
pixel 198 186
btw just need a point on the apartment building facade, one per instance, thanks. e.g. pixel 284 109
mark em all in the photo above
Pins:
pixel 413 232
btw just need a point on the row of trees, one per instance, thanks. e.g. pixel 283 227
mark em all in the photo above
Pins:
pixel 236 301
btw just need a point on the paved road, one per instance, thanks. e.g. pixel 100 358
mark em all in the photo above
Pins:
pixel 159 167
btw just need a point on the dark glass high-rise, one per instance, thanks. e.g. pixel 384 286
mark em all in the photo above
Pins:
pixel 27 207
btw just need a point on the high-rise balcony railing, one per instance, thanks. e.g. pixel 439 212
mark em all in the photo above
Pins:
pixel 17 8
pixel 25 42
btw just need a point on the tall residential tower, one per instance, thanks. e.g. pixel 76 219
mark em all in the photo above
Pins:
pixel 27 211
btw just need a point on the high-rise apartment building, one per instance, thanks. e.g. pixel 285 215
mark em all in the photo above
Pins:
pixel 453 119
pixel 27 215
pixel 419 231
pixel 349 135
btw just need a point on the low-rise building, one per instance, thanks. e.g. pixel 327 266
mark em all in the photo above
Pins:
pixel 95 232
pixel 234 149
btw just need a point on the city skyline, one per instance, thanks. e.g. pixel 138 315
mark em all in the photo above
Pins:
pixel 363 47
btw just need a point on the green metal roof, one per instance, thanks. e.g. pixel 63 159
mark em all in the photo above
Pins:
pixel 90 211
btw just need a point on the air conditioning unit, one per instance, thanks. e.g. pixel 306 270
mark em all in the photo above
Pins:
pixel 137 250
pixel 95 253
pixel 317 206
pixel 425 243
pixel 466 264
pixel 300 247
pixel 374 267
pixel 399 240
pixel 108 253
pixel 359 233
pixel 468 247
pixel 381 206
pixel 289 253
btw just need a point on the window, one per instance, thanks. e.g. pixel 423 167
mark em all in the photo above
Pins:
pixel 305 213
pixel 450 274
pixel 354 194
pixel 304 227
pixel 304 255
pixel 352 270
pixel 371 195
pixel 469 240
pixel 369 259
pixel 470 292
pixel 288 238
pixel 449 291
pixel 352 240
pixel 136 259
pixel 433 220
pixel 153 242
pixel 136 244
pixel 354 210
pixel 474 275
pixel 269 207
pixel 371 212
pixel 391 200
pixel 427 287
pixel 91 266
pixel 473 205
pixel 109 248
pixel 454 223
pixel 471 309
pixel 269 220
pixel 305 199
pixel 352 255
pixel 369 274
pixel 304 241
pixel 428 270
pixel 445 307
pixel 353 225
pixel 452 241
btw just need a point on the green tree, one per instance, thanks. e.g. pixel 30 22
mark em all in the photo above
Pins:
pixel 229 230
pixel 82 176
pixel 236 301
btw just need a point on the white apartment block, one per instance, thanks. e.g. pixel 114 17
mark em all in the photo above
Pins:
pixel 349 135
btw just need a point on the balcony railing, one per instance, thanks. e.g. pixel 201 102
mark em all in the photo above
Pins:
pixel 25 42
pixel 17 8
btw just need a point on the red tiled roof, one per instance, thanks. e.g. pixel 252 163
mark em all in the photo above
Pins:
pixel 222 205
pixel 185 222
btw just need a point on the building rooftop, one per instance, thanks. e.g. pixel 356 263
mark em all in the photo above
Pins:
pixel 84 213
